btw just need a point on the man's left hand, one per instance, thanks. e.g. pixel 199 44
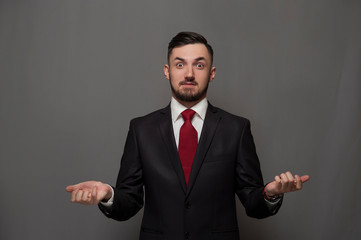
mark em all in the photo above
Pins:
pixel 284 183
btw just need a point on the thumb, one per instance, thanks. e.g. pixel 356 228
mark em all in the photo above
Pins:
pixel 71 188
pixel 305 178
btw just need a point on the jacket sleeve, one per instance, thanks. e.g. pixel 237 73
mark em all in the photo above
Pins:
pixel 249 180
pixel 128 192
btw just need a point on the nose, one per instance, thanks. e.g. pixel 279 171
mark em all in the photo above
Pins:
pixel 190 73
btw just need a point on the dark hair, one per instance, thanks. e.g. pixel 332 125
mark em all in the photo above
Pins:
pixel 185 38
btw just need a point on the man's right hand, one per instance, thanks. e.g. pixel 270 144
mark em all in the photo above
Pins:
pixel 89 193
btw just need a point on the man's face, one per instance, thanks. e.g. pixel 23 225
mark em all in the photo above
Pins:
pixel 189 71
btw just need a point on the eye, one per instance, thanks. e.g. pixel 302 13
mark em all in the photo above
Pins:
pixel 200 65
pixel 179 65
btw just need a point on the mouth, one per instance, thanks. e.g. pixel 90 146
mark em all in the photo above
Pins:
pixel 187 83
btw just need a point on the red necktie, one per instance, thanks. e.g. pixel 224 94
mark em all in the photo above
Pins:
pixel 188 141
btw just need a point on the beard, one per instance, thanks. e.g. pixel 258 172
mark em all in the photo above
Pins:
pixel 187 95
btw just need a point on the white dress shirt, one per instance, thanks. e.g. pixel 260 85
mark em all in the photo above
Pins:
pixel 197 120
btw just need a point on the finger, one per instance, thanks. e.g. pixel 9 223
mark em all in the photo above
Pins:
pixel 305 178
pixel 86 196
pixel 291 181
pixel 283 177
pixel 298 182
pixel 278 183
pixel 69 188
pixel 79 196
pixel 73 195
pixel 94 197
pixel 290 176
pixel 94 191
pixel 285 182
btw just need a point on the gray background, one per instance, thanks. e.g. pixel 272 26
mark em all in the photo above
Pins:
pixel 73 73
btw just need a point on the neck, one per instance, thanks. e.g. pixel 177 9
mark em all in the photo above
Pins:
pixel 188 104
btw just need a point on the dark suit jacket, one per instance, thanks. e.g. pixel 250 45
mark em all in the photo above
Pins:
pixel 225 164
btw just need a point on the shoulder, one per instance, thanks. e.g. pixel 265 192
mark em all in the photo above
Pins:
pixel 225 115
pixel 151 118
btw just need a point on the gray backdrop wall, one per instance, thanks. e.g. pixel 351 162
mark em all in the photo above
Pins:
pixel 73 73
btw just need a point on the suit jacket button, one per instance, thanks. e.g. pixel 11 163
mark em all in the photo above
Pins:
pixel 187 235
pixel 187 205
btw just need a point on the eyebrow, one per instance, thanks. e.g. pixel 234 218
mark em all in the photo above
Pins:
pixel 182 59
pixel 178 58
pixel 200 58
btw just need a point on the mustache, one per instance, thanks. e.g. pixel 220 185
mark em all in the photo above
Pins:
pixel 188 81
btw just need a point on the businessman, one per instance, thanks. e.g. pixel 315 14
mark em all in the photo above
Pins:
pixel 190 159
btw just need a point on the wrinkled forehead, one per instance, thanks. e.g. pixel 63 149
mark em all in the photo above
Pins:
pixel 190 52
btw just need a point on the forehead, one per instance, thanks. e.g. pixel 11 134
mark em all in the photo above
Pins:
pixel 190 52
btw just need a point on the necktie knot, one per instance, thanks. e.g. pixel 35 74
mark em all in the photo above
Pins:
pixel 188 114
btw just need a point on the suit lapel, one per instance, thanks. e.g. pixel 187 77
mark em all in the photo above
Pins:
pixel 166 129
pixel 209 128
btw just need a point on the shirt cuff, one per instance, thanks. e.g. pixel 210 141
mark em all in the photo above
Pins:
pixel 109 203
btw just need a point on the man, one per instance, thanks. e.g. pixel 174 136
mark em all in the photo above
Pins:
pixel 191 163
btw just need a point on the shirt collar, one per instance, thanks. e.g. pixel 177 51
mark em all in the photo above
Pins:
pixel 177 108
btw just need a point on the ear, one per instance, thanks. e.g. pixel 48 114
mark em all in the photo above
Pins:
pixel 166 71
pixel 212 74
